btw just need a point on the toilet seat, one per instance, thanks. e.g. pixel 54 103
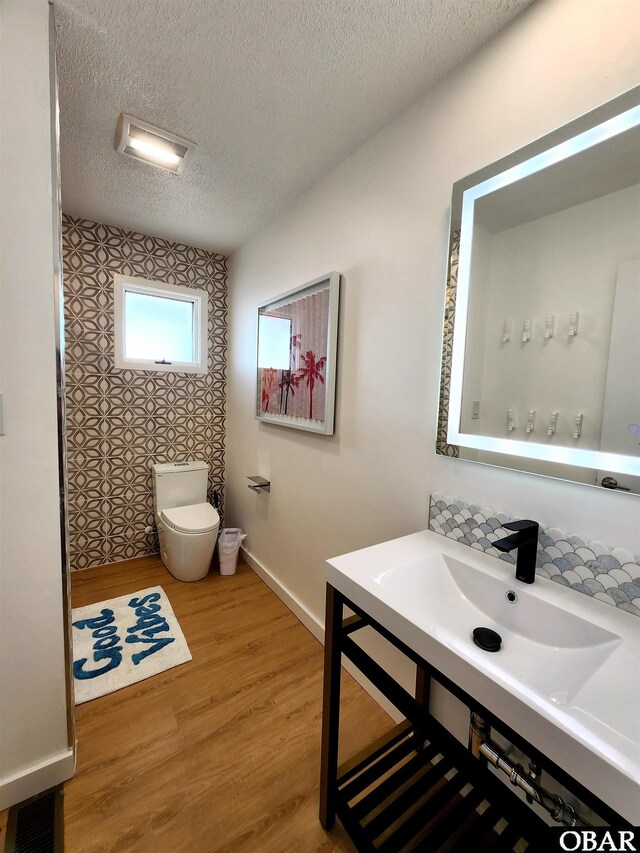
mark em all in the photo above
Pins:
pixel 197 518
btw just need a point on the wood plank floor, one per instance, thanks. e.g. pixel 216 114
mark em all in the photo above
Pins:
pixel 219 754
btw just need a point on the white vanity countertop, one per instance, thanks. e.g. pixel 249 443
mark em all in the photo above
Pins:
pixel 567 676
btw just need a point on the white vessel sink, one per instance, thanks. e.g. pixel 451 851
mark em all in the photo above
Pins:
pixel 565 676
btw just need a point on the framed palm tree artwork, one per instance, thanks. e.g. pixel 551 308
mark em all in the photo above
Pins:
pixel 297 348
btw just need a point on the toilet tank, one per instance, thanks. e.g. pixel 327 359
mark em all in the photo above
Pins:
pixel 179 484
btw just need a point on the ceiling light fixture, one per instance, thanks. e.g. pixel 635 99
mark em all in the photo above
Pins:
pixel 152 151
pixel 143 141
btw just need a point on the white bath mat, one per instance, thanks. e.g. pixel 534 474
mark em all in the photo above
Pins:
pixel 124 640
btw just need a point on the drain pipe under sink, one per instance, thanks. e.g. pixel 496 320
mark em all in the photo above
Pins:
pixel 481 746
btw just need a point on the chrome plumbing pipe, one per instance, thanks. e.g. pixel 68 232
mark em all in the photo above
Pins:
pixel 559 810
pixel 479 732
pixel 482 747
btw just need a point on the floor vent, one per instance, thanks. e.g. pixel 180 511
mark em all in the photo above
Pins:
pixel 35 826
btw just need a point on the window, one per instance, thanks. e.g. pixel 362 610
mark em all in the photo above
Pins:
pixel 274 342
pixel 159 326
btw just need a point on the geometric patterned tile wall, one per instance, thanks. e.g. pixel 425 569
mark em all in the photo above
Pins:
pixel 119 420
pixel 611 575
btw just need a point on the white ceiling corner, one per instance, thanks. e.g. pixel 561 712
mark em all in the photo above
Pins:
pixel 273 92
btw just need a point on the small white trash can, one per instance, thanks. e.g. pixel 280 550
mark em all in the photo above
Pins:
pixel 228 547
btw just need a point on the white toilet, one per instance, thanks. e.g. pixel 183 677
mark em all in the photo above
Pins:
pixel 187 524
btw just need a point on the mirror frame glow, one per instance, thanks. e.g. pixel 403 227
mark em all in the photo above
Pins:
pixel 611 119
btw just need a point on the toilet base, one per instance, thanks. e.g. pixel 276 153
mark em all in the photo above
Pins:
pixel 187 556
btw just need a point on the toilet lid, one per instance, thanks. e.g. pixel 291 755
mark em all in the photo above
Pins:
pixel 197 518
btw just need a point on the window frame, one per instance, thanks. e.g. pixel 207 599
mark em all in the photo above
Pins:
pixel 196 296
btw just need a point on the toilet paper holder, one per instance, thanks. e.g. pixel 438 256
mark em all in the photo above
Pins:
pixel 261 485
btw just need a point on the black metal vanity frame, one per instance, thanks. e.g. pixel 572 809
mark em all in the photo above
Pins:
pixel 404 790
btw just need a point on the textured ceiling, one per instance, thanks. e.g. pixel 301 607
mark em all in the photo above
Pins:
pixel 274 92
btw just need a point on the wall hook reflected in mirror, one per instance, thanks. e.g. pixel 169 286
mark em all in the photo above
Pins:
pixel 531 421
pixel 574 320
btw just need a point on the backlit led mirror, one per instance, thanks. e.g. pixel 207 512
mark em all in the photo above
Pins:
pixel 541 351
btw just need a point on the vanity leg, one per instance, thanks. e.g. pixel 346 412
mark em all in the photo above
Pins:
pixel 423 687
pixel 330 707
pixel 422 694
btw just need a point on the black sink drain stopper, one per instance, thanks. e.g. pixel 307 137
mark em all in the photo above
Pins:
pixel 487 639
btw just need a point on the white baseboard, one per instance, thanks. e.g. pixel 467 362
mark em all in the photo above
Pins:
pixel 294 604
pixel 35 779
pixel 312 624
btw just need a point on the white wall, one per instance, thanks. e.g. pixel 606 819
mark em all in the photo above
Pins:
pixel 34 752
pixel 381 219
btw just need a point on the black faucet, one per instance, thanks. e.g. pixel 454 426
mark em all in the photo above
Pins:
pixel 525 539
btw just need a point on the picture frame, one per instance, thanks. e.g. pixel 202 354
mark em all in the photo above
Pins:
pixel 296 355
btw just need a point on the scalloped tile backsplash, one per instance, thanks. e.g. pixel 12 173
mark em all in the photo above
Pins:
pixel 611 575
